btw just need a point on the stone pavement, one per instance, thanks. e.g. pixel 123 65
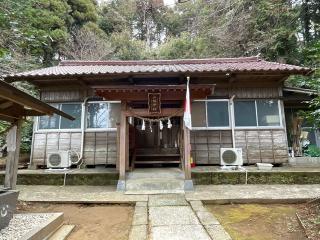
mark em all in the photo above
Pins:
pixel 171 217
pixel 76 194
pixel 254 193
pixel 207 193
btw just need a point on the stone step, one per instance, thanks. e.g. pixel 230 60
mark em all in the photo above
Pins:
pixel 154 186
pixel 147 173
pixel 62 233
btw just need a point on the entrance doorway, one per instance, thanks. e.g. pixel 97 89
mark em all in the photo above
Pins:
pixel 151 146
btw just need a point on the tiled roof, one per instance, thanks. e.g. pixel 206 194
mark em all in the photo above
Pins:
pixel 213 65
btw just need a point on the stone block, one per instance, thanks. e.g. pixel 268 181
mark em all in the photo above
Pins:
pixel 140 216
pixel 217 232
pixel 167 200
pixel 172 215
pixel 138 233
pixel 179 232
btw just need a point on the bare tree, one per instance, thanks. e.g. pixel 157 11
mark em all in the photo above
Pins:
pixel 87 44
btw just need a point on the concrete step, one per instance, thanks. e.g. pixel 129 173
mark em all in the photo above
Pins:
pixel 147 173
pixel 154 186
pixel 62 233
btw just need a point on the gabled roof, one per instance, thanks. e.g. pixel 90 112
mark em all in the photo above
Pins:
pixel 210 65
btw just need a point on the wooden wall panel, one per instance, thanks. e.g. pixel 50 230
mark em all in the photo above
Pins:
pixel 248 92
pixel 62 96
pixel 99 147
pixel 267 146
pixel 39 148
pixel 206 144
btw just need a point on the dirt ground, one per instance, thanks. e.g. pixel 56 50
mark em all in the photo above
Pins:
pixel 309 215
pixel 259 222
pixel 92 222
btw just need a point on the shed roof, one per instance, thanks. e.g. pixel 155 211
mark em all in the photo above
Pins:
pixel 209 65
pixel 15 104
pixel 301 90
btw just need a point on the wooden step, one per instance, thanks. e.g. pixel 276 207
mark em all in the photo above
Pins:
pixel 62 233
pixel 155 162
pixel 158 155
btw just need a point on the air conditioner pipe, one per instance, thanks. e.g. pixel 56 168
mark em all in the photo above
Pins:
pixel 232 121
pixel 83 126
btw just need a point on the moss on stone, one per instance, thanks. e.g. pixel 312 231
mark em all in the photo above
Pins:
pixel 92 179
pixel 202 178
pixel 256 178
pixel 228 178
pixel 40 179
pixel 97 179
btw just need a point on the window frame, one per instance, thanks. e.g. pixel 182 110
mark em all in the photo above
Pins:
pixel 83 123
pixel 87 129
pixel 38 130
pixel 206 109
pixel 281 126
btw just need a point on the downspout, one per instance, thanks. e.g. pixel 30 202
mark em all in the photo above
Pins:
pixel 232 121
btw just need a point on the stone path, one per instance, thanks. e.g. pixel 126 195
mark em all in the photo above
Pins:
pixel 171 217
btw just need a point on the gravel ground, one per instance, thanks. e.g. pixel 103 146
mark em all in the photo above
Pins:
pixel 21 224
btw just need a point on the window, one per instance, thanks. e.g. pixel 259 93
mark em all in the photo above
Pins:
pixel 268 113
pixel 210 114
pixel 198 116
pixel 58 122
pixel 73 110
pixel 218 114
pixel 245 113
pixel 257 113
pixel 103 115
pixel 49 122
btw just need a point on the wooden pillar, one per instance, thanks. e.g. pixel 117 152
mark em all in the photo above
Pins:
pixel 187 149
pixel 13 148
pixel 127 147
pixel 123 147
pixel 118 146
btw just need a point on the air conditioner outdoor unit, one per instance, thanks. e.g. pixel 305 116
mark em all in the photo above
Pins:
pixel 59 159
pixel 231 157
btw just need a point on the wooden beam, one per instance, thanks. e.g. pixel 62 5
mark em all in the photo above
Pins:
pixel 7 119
pixel 29 112
pixel 17 111
pixel 13 143
pixel 6 104
pixel 140 92
pixel 165 112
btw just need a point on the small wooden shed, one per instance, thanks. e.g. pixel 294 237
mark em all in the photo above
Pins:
pixel 15 105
